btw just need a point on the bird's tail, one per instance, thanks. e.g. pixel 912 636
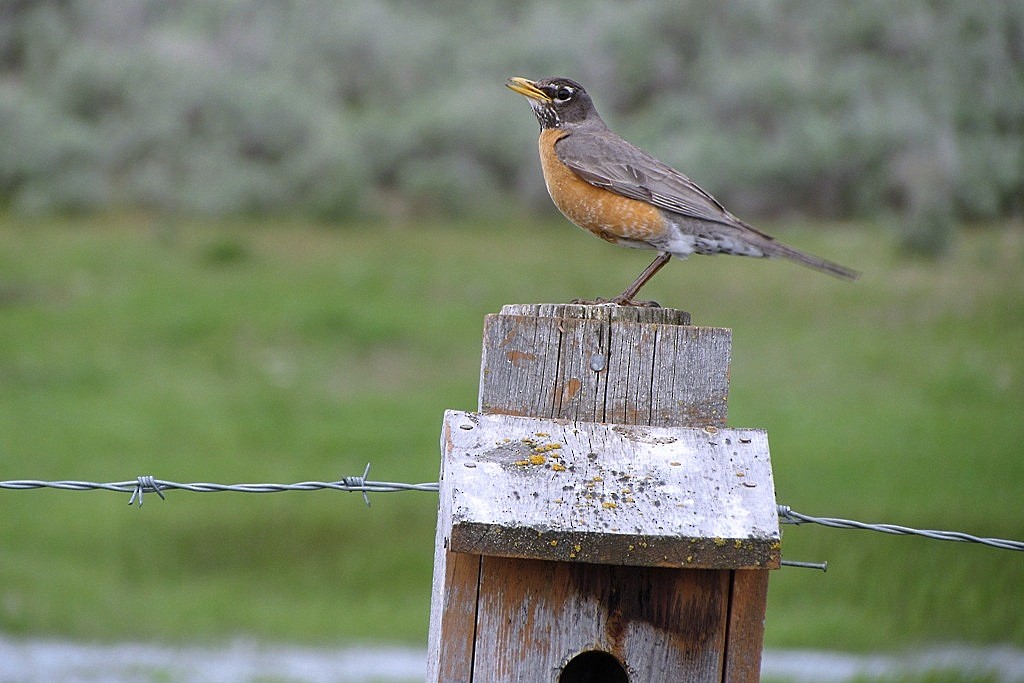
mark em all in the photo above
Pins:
pixel 811 261
pixel 772 248
pixel 775 249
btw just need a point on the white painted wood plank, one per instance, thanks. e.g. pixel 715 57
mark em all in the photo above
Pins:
pixel 611 494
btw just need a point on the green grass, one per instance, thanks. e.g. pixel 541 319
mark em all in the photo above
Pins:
pixel 286 352
pixel 939 676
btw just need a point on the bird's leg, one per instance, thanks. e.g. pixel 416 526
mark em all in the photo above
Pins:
pixel 626 298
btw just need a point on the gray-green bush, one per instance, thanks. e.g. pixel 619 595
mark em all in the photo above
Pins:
pixel 830 109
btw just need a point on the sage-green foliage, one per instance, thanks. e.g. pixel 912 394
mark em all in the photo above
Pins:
pixel 285 352
pixel 371 107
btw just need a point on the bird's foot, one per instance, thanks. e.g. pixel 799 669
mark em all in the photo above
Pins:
pixel 630 302
pixel 618 301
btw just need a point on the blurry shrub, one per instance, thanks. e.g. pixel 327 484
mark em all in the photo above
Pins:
pixel 391 106
pixel 929 224
pixel 46 158
pixel 225 251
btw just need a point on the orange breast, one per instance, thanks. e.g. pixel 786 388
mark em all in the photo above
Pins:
pixel 612 217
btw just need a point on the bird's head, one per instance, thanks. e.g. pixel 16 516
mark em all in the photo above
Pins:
pixel 557 102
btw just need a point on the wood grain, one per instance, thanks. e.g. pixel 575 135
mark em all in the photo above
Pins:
pixel 747 602
pixel 661 624
pixel 453 598
pixel 627 365
pixel 614 519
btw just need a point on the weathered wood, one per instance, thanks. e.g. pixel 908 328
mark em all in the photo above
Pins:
pixel 606 312
pixel 453 608
pixel 661 624
pixel 601 364
pixel 453 599
pixel 626 365
pixel 747 602
pixel 609 494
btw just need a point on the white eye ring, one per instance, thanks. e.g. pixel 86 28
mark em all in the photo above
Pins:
pixel 564 94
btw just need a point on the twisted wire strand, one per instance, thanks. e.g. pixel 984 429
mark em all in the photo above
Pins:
pixel 789 516
pixel 361 484
pixel 149 484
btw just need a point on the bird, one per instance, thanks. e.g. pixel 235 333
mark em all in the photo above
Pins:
pixel 625 196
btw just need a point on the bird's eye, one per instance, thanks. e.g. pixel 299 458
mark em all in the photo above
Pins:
pixel 564 93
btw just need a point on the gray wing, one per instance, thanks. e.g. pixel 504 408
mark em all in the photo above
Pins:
pixel 608 161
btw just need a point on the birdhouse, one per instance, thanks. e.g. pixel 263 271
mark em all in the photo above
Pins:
pixel 598 521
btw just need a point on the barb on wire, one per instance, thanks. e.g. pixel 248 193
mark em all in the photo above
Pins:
pixel 359 482
pixel 789 516
pixel 149 484
pixel 143 484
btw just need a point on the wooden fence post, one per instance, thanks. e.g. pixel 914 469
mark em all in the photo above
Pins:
pixel 597 519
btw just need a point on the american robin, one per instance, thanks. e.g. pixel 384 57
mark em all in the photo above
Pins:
pixel 625 196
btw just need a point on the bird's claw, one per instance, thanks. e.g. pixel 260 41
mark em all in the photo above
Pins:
pixel 630 302
pixel 618 301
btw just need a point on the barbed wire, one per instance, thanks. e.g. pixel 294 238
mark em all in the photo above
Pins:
pixel 148 484
pixel 789 516
pixel 361 484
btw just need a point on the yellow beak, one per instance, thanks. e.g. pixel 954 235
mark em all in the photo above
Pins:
pixel 526 88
